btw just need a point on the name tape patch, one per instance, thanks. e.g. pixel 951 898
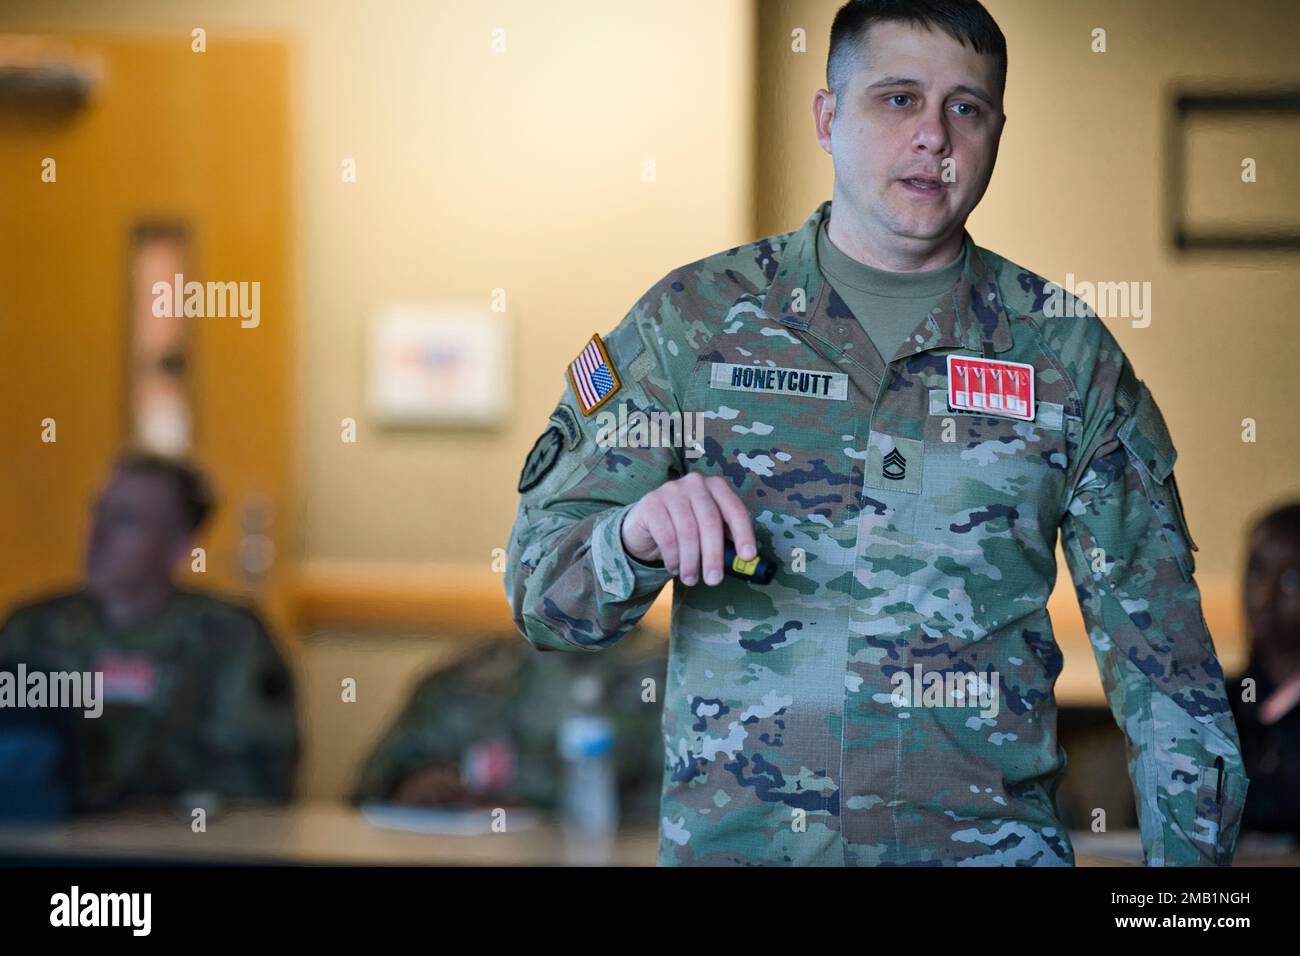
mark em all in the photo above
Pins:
pixel 128 678
pixel 991 386
pixel 783 381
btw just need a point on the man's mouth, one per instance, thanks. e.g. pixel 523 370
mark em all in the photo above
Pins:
pixel 924 184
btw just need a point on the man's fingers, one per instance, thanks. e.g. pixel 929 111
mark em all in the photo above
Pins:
pixel 688 520
pixel 659 523
pixel 737 517
pixel 688 540
pixel 709 522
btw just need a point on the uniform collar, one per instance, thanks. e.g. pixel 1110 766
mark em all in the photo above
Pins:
pixel 92 609
pixel 973 313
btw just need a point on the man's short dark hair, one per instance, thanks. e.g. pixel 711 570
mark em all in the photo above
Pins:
pixel 966 21
pixel 1282 521
pixel 193 490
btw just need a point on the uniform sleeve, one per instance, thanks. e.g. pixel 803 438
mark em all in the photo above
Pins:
pixel 1130 555
pixel 251 735
pixel 570 583
pixel 15 639
pixel 25 638
pixel 433 729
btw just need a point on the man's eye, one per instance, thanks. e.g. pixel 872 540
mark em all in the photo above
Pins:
pixel 968 106
pixel 899 96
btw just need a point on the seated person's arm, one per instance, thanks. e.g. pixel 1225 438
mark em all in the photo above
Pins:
pixel 419 760
pixel 251 734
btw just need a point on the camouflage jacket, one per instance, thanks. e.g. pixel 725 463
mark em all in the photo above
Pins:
pixel 198 699
pixel 917 544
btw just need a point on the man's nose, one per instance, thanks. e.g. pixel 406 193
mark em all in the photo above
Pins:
pixel 931 132
pixel 1262 592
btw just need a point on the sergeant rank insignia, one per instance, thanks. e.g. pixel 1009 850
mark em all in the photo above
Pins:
pixel 894 466
pixel 991 386
pixel 593 377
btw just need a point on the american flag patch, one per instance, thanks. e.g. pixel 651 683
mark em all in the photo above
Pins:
pixel 592 376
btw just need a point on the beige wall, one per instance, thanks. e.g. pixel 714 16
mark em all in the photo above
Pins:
pixel 519 171
pixel 1078 189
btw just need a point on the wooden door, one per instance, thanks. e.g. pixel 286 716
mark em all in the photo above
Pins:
pixel 165 142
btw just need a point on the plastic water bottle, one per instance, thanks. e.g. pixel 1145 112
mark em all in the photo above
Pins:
pixel 589 802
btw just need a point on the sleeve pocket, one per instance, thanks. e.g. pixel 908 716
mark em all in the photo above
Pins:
pixel 1219 800
pixel 1147 439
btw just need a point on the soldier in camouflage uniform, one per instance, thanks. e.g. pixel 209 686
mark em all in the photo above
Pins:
pixel 913 537
pixel 196 697
pixel 501 701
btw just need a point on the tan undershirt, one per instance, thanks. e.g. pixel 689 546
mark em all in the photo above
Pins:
pixel 890 305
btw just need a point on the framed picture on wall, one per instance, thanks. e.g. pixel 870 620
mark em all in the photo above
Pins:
pixel 438 365
pixel 160 400
pixel 1231 170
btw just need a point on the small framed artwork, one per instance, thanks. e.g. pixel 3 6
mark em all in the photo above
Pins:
pixel 439 365
pixel 160 401
pixel 1232 178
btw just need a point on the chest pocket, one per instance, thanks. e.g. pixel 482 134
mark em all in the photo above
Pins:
pixel 975 461
pixel 1147 439
pixel 787 456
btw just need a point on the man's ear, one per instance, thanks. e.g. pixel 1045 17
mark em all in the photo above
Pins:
pixel 997 135
pixel 820 100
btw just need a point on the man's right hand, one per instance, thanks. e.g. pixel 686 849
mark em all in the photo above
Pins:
pixel 680 524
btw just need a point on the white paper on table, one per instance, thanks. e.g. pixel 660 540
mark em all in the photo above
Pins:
pixel 455 822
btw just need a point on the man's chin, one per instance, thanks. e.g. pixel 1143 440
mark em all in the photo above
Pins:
pixel 925 232
pixel 909 224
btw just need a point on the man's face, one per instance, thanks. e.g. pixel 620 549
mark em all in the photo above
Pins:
pixel 136 535
pixel 1272 595
pixel 918 98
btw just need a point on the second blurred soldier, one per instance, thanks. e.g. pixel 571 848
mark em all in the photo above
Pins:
pixel 483 732
pixel 196 697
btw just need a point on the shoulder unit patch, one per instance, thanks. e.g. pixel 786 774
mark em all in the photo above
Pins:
pixel 545 453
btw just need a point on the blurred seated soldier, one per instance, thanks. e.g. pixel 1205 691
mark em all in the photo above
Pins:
pixel 1269 724
pixel 483 731
pixel 196 699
